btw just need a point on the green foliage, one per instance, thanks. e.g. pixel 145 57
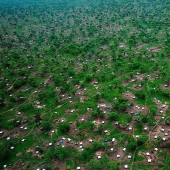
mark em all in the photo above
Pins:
pixel 4 154
pixel 132 144
pixel 44 44
pixel 73 49
pixel 142 140
pixel 102 164
pixel 64 127
pixel 113 116
pixel 99 145
pixel 121 105
pixel 153 110
pixel 140 94
pixel 87 154
pixel 46 126
pixel 166 93
pixel 61 152
pixel 50 153
pixel 19 83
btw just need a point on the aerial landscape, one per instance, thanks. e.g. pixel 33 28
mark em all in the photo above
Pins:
pixel 84 85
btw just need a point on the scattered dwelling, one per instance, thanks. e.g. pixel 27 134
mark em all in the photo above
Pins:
pixel 99 157
pixel 156 149
pixel 90 140
pixel 149 160
pixel 113 140
pixel 124 149
pixel 50 144
pixel 12 147
pixel 4 166
pixel 118 156
pixel 8 138
pixel 111 149
pixel 145 128
pixel 130 128
pixel 126 166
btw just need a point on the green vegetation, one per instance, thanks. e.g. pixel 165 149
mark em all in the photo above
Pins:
pixel 84 83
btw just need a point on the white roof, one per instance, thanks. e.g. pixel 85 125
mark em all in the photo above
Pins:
pixel 5 166
pixel 12 147
pixel 149 160
pixel 124 149
pixel 118 156
pixel 156 149
pixel 113 139
pixel 125 166
pixel 99 157
pixel 78 167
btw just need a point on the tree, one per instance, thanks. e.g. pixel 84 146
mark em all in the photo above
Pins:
pixel 46 126
pixel 141 140
pixel 102 164
pixel 61 152
pixel 132 144
pixel 100 129
pixel 64 127
pixel 153 110
pixel 4 154
pixel 113 116
pixel 87 154
pixel 49 154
